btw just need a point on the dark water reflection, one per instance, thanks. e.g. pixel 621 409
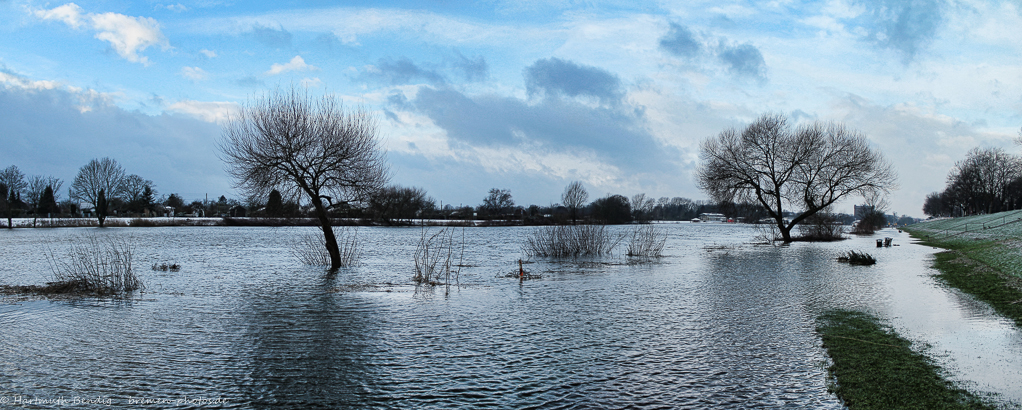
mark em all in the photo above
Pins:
pixel 718 323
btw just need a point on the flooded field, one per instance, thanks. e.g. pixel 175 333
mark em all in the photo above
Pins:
pixel 716 323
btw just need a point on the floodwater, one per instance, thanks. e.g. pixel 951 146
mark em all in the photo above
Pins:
pixel 716 323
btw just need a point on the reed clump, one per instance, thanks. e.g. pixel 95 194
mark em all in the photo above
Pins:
pixel 857 258
pixel 96 267
pixel 434 257
pixel 647 241
pixel 569 241
pixel 311 250
pixel 165 267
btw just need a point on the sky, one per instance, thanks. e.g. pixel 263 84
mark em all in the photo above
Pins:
pixel 519 95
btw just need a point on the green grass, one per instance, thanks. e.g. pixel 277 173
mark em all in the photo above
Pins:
pixel 985 283
pixel 984 261
pixel 875 368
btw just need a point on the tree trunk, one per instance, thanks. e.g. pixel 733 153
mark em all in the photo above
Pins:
pixel 328 235
pixel 785 230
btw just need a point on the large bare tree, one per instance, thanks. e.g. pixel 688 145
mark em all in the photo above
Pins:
pixel 574 197
pixel 102 174
pixel 305 147
pixel 804 170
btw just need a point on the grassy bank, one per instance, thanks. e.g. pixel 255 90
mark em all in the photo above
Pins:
pixel 877 369
pixel 983 257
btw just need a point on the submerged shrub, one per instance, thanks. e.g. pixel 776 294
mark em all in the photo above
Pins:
pixel 94 266
pixel 566 241
pixel 172 267
pixel 311 249
pixel 857 258
pixel 434 257
pixel 647 242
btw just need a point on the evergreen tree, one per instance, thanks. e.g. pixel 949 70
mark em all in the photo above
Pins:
pixel 275 205
pixel 48 203
pixel 101 207
pixel 4 205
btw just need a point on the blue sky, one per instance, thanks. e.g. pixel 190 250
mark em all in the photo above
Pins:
pixel 524 95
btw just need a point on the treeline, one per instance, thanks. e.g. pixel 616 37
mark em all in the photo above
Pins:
pixel 988 180
pixel 102 187
pixel 398 205
pixel 130 195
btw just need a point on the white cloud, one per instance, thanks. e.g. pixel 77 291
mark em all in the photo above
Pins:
pixel 194 73
pixel 311 82
pixel 209 111
pixel 176 7
pixel 208 53
pixel 15 81
pixel 127 35
pixel 296 64
pixel 70 14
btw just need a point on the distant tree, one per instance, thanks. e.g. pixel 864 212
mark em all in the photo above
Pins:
pixel 175 201
pixel 573 198
pixel 498 202
pixel 642 207
pixel 874 218
pixel 936 205
pixel 5 207
pixel 36 185
pixel 612 209
pixel 14 180
pixel 397 202
pixel 47 202
pixel 984 182
pixel 304 147
pixel 275 205
pixel 806 169
pixel 101 207
pixel 102 174
pixel 138 192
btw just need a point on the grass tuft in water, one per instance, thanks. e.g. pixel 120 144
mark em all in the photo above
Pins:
pixel 875 368
pixel 568 241
pixel 311 250
pixel 95 267
pixel 857 258
pixel 165 267
pixel 434 257
pixel 647 241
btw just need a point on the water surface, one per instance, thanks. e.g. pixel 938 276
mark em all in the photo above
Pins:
pixel 717 323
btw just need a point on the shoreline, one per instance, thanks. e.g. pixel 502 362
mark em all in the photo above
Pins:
pixel 981 257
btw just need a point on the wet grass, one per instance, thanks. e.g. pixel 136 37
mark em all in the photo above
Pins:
pixel 1001 291
pixel 875 368
pixel 982 257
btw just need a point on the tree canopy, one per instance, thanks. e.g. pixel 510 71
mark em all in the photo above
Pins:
pixel 805 169
pixel 305 147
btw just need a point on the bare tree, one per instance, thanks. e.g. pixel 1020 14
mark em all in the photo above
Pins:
pixel 13 179
pixel 573 198
pixel 138 192
pixel 983 181
pixel 498 202
pixel 305 147
pixel 805 169
pixel 37 186
pixel 102 174
pixel 642 207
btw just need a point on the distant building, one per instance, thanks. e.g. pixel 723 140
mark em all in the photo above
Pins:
pixel 862 210
pixel 710 217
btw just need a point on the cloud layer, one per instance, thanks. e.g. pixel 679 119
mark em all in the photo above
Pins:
pixel 127 35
